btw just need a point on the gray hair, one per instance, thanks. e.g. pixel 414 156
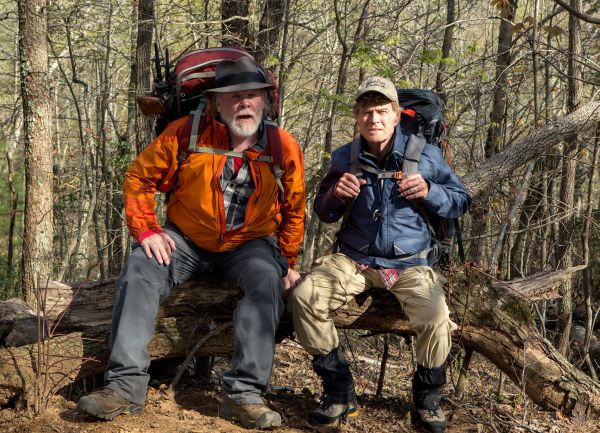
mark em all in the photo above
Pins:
pixel 268 97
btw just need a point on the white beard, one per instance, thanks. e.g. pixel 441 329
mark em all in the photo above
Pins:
pixel 241 128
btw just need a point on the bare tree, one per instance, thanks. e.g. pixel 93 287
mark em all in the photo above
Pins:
pixel 446 47
pixel 235 27
pixel 269 31
pixel 38 226
pixel 139 127
pixel 493 142
pixel 564 251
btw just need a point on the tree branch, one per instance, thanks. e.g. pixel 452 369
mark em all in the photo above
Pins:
pixel 581 16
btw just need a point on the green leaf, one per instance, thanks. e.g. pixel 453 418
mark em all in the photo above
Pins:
pixel 448 61
pixel 272 61
pixel 433 56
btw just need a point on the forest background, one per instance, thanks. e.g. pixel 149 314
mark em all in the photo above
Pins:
pixel 503 68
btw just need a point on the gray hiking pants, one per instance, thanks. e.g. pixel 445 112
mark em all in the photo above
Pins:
pixel 256 268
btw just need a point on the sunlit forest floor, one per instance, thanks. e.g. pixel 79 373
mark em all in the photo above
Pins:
pixel 296 390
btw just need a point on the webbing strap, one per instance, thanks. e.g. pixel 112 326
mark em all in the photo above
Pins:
pixel 275 148
pixel 412 154
pixel 196 75
pixel 382 174
pixel 420 255
pixel 197 120
pixel 355 166
pixel 196 149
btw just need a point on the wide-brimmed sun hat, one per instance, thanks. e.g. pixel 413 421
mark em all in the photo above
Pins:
pixel 237 75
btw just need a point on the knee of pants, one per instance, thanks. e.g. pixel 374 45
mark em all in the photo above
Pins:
pixel 435 320
pixel 141 274
pixel 305 301
pixel 264 279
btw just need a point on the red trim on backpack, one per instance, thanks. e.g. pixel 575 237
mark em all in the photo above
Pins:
pixel 410 112
pixel 274 147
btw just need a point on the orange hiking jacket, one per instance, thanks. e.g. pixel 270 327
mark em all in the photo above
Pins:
pixel 196 205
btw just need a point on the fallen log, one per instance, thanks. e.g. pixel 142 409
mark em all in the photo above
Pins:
pixel 492 320
pixel 79 315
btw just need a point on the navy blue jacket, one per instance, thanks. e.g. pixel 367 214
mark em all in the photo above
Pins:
pixel 383 229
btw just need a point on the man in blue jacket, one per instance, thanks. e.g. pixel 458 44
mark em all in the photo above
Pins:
pixel 384 243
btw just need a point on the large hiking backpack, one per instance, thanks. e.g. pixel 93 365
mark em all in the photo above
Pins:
pixel 178 92
pixel 422 121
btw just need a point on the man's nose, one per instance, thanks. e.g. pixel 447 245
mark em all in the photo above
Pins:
pixel 244 101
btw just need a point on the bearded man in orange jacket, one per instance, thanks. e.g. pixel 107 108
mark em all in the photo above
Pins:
pixel 226 215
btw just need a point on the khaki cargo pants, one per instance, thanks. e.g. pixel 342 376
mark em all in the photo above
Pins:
pixel 335 280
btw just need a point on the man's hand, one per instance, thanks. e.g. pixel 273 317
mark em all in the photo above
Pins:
pixel 413 187
pixel 290 281
pixel 348 186
pixel 160 246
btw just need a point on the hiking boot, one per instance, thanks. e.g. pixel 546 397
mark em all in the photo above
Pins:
pixel 257 416
pixel 106 404
pixel 433 420
pixel 330 414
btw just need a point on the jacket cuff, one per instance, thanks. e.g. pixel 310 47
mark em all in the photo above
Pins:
pixel 331 207
pixel 292 262
pixel 148 233
pixel 434 197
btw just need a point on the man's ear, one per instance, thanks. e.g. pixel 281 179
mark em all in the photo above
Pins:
pixel 217 101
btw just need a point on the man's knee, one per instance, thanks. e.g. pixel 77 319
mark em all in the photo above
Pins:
pixel 301 296
pixel 261 271
pixel 138 262
pixel 143 274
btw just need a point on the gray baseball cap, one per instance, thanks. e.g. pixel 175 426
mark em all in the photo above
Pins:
pixel 379 85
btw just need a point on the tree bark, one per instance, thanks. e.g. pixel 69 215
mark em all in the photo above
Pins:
pixel 481 181
pixel 498 113
pixel 494 139
pixel 235 27
pixel 446 47
pixel 269 30
pixel 564 250
pixel 39 223
pixel 139 127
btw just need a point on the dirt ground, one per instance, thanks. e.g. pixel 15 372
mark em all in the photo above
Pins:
pixel 296 390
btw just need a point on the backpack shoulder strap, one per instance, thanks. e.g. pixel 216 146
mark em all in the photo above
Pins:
pixel 198 124
pixel 410 165
pixel 355 166
pixel 193 128
pixel 412 153
pixel 275 149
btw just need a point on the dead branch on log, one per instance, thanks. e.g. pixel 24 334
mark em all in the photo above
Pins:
pixel 184 365
pixel 537 287
pixel 481 181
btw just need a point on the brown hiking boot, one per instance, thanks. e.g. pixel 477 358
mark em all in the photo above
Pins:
pixel 433 420
pixel 330 415
pixel 257 416
pixel 106 404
